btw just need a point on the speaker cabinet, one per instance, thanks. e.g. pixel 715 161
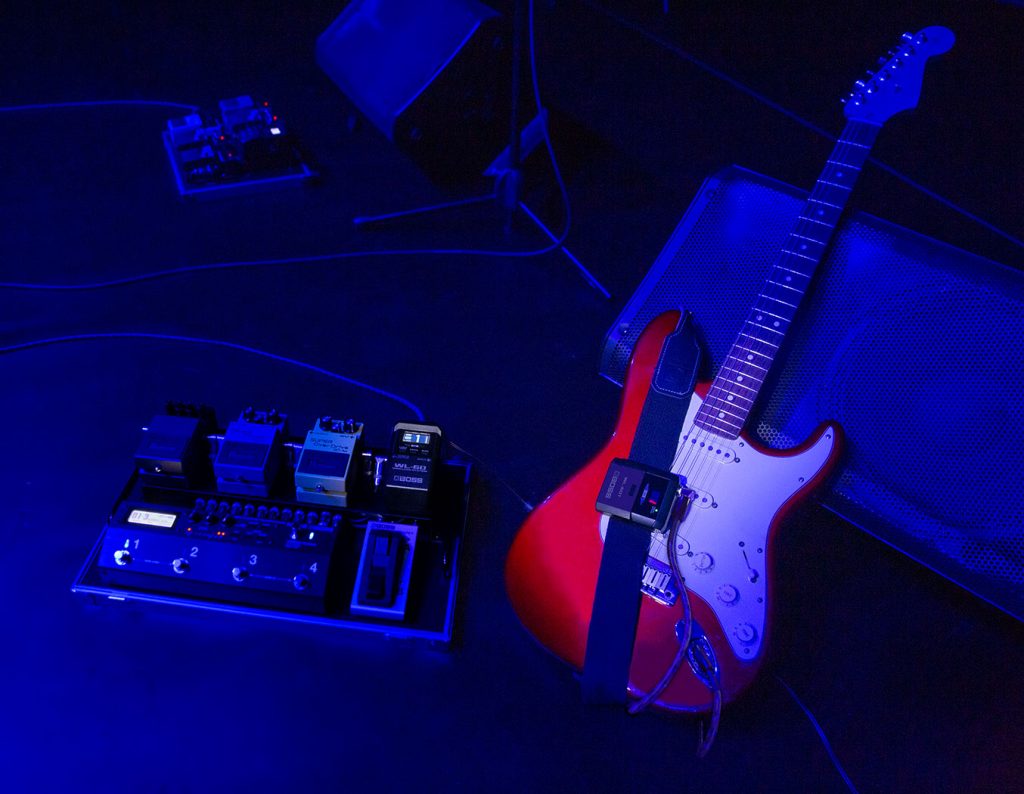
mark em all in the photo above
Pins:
pixel 913 346
pixel 434 77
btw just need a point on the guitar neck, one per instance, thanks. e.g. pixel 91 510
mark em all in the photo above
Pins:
pixel 735 388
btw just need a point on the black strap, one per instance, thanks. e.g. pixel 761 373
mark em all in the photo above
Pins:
pixel 616 608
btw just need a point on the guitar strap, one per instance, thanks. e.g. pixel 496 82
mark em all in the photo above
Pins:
pixel 616 608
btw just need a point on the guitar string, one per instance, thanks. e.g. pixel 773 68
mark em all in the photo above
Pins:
pixel 715 402
pixel 697 471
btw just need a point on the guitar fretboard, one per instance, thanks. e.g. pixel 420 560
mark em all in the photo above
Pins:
pixel 735 388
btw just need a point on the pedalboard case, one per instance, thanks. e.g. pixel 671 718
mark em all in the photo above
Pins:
pixel 249 520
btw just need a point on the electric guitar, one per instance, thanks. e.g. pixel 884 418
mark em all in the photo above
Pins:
pixel 740 492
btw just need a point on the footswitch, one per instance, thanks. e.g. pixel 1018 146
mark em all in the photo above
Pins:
pixel 385 570
pixel 324 473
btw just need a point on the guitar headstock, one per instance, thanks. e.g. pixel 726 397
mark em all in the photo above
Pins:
pixel 896 85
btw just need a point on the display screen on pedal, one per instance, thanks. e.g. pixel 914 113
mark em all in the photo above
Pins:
pixel 648 501
pixel 150 519
pixel 409 475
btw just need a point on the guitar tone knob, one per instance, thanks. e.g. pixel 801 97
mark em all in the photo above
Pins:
pixel 745 633
pixel 727 594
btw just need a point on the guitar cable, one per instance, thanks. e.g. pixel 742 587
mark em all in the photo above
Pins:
pixel 701 657
pixel 95 103
pixel 54 340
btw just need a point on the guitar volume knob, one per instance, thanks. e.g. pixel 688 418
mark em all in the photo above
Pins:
pixel 745 633
pixel 703 562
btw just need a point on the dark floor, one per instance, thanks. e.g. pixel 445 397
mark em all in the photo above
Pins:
pixel 917 684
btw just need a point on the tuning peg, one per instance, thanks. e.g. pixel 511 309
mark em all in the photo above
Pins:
pixel 858 83
pixel 907 37
pixel 870 73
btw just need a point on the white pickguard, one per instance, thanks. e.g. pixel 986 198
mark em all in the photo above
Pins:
pixel 721 541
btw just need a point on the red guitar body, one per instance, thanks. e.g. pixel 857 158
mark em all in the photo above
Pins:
pixel 552 567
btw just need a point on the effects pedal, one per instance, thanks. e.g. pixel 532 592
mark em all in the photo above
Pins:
pixel 409 473
pixel 324 473
pixel 174 447
pixel 250 455
pixel 239 551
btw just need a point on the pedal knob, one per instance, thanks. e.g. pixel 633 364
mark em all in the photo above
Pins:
pixel 727 594
pixel 301 582
pixel 239 574
pixel 122 556
pixel 180 565
pixel 703 562
pixel 745 633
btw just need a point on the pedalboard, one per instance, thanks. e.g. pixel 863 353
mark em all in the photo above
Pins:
pixel 239 146
pixel 251 520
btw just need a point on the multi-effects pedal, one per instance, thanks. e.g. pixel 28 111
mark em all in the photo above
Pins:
pixel 265 556
pixel 249 519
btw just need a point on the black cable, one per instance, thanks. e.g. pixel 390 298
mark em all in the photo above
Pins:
pixel 821 735
pixel 705 66
pixel 213 342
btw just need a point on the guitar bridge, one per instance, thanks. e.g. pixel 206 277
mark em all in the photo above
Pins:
pixel 658 582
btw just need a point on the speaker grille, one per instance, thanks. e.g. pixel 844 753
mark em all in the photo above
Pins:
pixel 913 346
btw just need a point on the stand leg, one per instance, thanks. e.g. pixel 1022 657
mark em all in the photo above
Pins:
pixel 365 220
pixel 589 277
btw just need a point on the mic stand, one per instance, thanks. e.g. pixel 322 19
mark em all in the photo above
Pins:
pixel 507 168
